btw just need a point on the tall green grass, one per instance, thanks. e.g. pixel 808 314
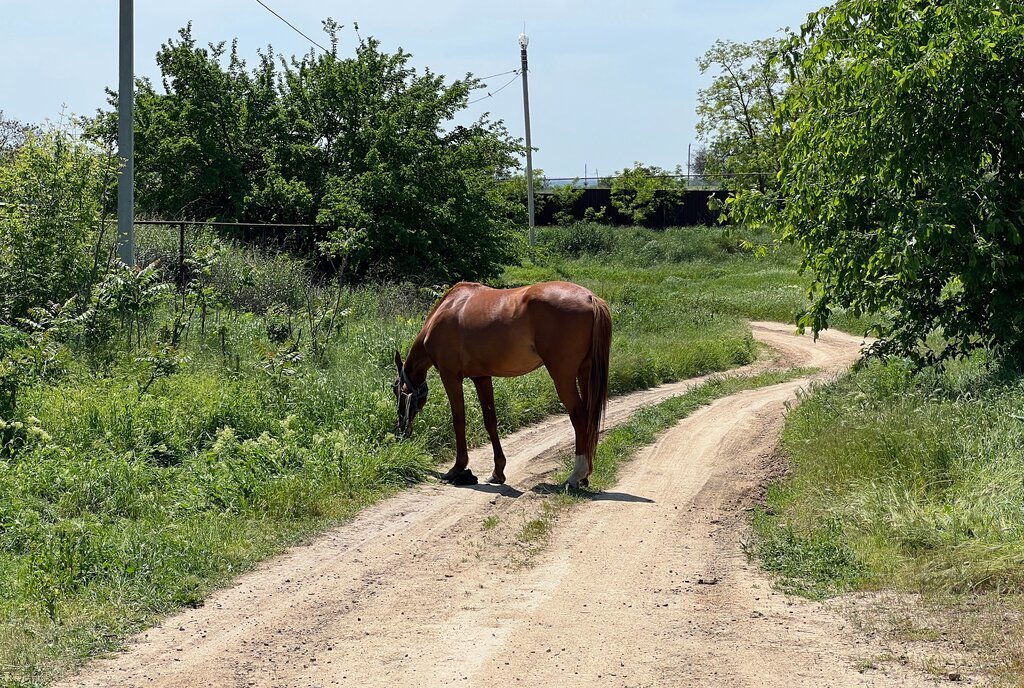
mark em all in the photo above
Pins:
pixel 914 480
pixel 713 277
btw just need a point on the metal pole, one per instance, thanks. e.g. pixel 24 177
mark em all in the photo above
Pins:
pixel 181 256
pixel 523 42
pixel 126 138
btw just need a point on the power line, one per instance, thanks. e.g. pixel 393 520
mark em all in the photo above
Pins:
pixel 490 94
pixel 293 27
pixel 484 78
pixel 297 30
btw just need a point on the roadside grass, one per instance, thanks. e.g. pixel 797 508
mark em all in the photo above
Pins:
pixel 919 475
pixel 135 479
pixel 713 275
pixel 912 481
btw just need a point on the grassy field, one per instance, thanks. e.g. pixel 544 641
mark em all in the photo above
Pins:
pixel 914 482
pixel 137 476
pixel 918 479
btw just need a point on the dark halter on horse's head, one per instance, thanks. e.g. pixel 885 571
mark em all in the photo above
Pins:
pixel 411 402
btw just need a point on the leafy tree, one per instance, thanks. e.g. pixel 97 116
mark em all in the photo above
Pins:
pixel 364 144
pixel 563 198
pixel 560 197
pixel 52 185
pixel 204 147
pixel 642 191
pixel 699 163
pixel 13 135
pixel 422 197
pixel 737 112
pixel 903 181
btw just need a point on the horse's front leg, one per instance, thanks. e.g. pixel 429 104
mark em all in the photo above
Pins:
pixel 453 387
pixel 485 390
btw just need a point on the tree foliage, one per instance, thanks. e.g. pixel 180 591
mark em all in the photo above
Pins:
pixel 737 112
pixel 903 181
pixel 13 135
pixel 558 198
pixel 365 144
pixel 643 191
pixel 52 185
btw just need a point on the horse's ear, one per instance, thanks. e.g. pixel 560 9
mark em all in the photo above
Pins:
pixel 398 360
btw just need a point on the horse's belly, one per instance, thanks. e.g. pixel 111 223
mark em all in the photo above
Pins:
pixel 508 368
pixel 502 361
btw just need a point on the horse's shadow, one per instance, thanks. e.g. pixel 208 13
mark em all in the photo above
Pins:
pixel 503 490
pixel 547 489
pixel 603 496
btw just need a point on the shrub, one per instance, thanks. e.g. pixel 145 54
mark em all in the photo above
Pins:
pixel 579 239
pixel 53 186
pixel 642 191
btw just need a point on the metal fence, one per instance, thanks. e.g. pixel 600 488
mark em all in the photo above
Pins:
pixel 296 237
pixel 711 182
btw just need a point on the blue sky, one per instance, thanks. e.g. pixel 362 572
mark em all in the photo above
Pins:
pixel 610 81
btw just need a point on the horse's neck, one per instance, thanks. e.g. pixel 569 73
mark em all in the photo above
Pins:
pixel 417 363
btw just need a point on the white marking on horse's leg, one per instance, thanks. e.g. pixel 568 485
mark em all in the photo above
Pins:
pixel 580 471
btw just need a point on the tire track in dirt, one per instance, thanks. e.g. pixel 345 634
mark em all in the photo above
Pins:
pixel 644 585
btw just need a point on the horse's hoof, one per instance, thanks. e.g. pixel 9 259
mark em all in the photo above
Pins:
pixel 463 477
pixel 496 479
pixel 585 482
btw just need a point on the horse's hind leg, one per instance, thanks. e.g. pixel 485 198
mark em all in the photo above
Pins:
pixel 583 378
pixel 485 390
pixel 565 386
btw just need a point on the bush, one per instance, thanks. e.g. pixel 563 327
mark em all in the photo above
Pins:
pixel 578 239
pixel 924 472
pixel 53 187
pixel 643 191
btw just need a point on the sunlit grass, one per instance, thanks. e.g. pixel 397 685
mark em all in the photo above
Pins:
pixel 918 477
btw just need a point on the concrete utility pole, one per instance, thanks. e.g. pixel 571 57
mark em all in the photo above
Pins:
pixel 126 137
pixel 524 41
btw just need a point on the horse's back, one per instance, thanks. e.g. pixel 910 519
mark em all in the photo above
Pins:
pixel 563 298
pixel 508 332
pixel 475 306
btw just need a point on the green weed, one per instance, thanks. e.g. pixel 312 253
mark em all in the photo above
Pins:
pixel 919 475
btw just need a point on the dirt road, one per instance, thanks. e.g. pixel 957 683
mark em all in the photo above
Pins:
pixel 645 585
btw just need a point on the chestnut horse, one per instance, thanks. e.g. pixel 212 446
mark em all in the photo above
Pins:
pixel 479 332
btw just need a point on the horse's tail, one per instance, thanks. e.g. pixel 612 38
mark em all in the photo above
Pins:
pixel 597 392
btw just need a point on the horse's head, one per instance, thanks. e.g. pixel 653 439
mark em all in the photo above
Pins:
pixel 411 398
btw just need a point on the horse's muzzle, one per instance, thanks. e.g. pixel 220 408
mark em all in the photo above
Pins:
pixel 403 427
